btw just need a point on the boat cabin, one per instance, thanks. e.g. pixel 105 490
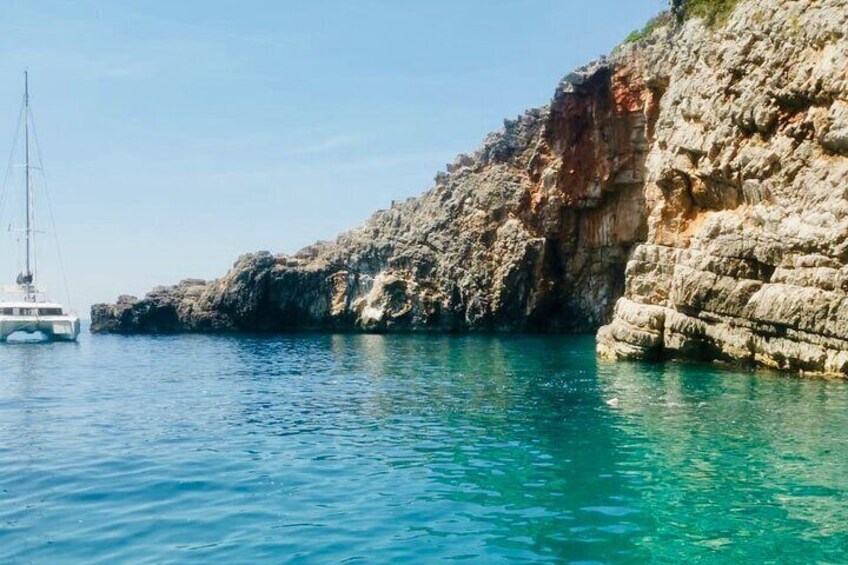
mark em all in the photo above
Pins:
pixel 31 309
pixel 46 318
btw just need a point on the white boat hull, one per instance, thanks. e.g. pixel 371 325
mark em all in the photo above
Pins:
pixel 59 328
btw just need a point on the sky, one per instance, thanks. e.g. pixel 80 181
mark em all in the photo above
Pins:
pixel 176 135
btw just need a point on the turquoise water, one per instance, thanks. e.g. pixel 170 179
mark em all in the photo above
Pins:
pixel 413 449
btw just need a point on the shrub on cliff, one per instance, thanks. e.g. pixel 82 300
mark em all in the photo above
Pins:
pixel 714 12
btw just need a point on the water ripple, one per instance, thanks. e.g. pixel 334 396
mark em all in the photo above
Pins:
pixel 386 449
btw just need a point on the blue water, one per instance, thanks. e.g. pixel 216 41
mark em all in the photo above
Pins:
pixel 410 449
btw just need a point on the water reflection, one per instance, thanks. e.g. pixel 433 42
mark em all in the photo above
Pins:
pixel 506 429
pixel 748 454
pixel 411 449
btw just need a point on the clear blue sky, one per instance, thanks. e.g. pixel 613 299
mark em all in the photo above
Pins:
pixel 177 135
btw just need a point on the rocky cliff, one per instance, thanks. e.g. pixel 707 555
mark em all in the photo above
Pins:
pixel 530 232
pixel 746 186
pixel 691 190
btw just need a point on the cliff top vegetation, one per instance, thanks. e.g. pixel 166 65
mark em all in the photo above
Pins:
pixel 715 13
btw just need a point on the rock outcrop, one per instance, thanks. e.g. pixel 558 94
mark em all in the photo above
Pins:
pixel 691 191
pixel 746 258
pixel 531 232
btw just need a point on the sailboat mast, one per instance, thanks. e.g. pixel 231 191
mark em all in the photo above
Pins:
pixel 28 278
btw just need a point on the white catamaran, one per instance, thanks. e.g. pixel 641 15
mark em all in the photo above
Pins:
pixel 30 312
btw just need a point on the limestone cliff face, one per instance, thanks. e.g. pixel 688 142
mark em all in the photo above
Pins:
pixel 696 183
pixel 747 195
pixel 531 232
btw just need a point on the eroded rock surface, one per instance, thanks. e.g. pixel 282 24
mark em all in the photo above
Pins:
pixel 530 232
pixel 747 194
pixel 691 191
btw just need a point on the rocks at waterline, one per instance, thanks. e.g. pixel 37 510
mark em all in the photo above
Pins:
pixel 530 232
pixel 746 259
pixel 707 168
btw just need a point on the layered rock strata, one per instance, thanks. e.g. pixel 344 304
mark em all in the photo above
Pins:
pixel 531 232
pixel 746 258
pixel 691 191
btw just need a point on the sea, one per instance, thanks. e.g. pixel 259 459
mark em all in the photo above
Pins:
pixel 318 448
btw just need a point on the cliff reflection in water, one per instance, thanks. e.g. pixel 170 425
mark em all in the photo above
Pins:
pixel 538 449
pixel 511 429
pixel 505 437
pixel 727 461
pixel 411 448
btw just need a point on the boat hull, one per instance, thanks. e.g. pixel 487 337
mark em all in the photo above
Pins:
pixel 57 328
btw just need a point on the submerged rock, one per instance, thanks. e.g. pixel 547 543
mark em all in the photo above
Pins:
pixel 691 191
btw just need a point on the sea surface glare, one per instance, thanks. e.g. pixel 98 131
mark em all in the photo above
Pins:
pixel 410 449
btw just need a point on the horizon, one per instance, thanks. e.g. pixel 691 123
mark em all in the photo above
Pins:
pixel 199 132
